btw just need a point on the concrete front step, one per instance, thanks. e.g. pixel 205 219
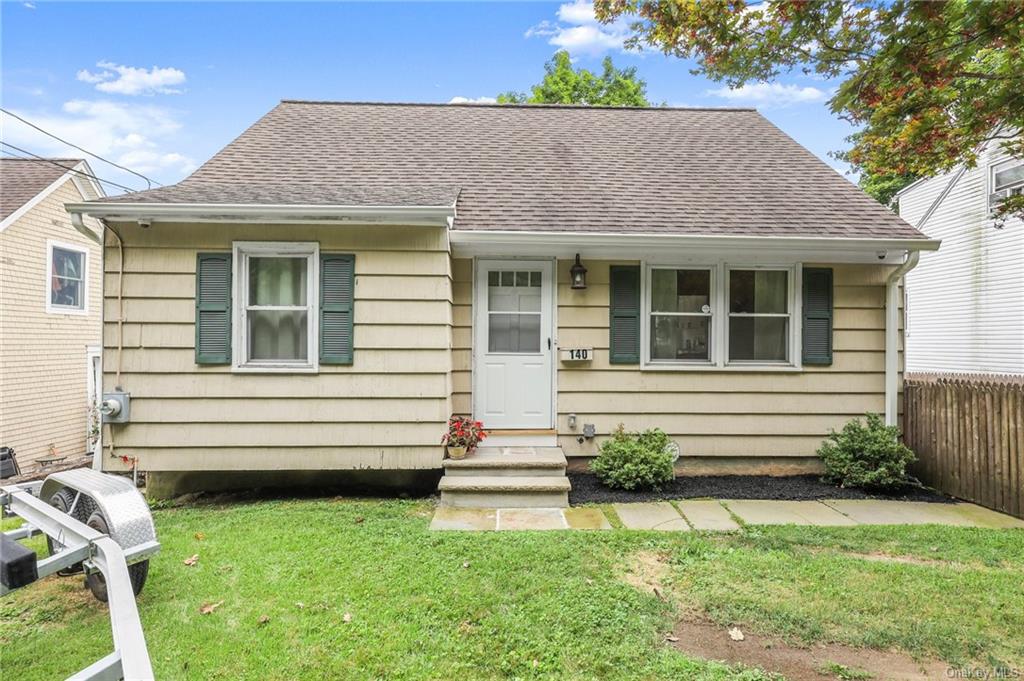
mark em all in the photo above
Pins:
pixel 509 461
pixel 504 491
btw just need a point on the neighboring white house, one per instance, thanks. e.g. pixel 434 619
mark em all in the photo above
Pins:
pixel 965 302
pixel 50 310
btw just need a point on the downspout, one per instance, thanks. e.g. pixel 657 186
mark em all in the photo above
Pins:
pixel 892 335
pixel 892 309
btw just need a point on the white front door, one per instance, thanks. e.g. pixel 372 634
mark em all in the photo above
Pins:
pixel 513 343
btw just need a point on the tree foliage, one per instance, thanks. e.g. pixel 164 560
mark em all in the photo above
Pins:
pixel 562 84
pixel 929 84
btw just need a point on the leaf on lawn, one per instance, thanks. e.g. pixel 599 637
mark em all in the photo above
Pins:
pixel 590 582
pixel 359 519
pixel 466 564
pixel 671 638
pixel 735 634
pixel 199 536
pixel 347 617
pixel 264 619
pixel 300 605
pixel 208 608
pixel 192 560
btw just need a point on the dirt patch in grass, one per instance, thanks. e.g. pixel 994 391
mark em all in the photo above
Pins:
pixel 649 572
pixel 811 663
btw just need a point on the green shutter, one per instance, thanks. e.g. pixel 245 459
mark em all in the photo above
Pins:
pixel 624 324
pixel 337 285
pixel 213 308
pixel 817 316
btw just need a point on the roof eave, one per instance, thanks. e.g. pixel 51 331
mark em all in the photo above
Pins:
pixel 265 213
pixel 882 250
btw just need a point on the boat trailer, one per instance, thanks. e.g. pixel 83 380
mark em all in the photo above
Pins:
pixel 96 524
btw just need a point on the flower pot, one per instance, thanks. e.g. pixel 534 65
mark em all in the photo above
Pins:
pixel 456 452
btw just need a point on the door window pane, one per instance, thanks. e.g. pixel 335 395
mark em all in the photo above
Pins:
pixel 683 337
pixel 513 333
pixel 277 281
pixel 759 339
pixel 67 278
pixel 757 291
pixel 278 335
pixel 680 290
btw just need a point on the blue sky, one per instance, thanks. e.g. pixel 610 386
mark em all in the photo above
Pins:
pixel 160 87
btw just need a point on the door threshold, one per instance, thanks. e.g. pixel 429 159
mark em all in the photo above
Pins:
pixel 531 437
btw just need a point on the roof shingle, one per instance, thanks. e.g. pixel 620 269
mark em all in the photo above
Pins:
pixel 543 168
pixel 21 179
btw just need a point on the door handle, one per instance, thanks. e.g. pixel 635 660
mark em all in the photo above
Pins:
pixel 549 343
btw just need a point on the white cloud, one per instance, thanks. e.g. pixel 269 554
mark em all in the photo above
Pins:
pixel 132 80
pixel 29 5
pixel 578 30
pixel 471 100
pixel 134 135
pixel 770 94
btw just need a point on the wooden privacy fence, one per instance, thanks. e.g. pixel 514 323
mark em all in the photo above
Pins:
pixel 968 433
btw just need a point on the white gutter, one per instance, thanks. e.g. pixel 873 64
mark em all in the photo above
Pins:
pixel 226 212
pixel 892 336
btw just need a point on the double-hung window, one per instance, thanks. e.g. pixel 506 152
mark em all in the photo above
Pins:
pixel 1008 175
pixel 67 270
pixel 759 316
pixel 276 306
pixel 681 315
pixel 720 316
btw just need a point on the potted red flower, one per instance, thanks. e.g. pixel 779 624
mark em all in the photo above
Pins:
pixel 463 435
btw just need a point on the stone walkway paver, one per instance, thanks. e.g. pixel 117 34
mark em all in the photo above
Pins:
pixel 586 518
pixel 707 514
pixel 531 519
pixel 882 512
pixel 714 515
pixel 654 516
pixel 770 512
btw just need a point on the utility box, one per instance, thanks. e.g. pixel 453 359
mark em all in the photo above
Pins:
pixel 116 407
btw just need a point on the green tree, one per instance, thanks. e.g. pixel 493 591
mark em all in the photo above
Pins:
pixel 929 84
pixel 562 84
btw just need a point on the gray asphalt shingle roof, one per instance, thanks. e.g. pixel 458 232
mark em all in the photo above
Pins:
pixel 21 179
pixel 542 168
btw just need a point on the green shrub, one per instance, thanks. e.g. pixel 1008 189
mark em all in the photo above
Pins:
pixel 869 455
pixel 634 461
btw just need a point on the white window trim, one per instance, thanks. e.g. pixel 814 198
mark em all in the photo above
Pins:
pixel 241 250
pixel 720 319
pixel 998 167
pixel 64 309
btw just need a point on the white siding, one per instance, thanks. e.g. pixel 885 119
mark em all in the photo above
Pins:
pixel 965 302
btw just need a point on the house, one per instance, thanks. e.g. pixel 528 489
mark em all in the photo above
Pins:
pixel 50 319
pixel 326 290
pixel 965 303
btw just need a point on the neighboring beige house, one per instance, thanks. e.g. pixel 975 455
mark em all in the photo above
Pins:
pixel 50 309
pixel 335 283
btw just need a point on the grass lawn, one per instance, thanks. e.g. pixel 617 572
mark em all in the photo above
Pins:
pixel 360 588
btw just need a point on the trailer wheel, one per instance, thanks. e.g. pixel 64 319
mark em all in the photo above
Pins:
pixel 62 501
pixel 136 573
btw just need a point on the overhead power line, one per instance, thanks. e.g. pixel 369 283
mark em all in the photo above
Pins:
pixel 61 165
pixel 149 182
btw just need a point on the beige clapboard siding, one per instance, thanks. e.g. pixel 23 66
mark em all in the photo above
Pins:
pixel 710 413
pixel 44 397
pixel 386 410
pixel 283 386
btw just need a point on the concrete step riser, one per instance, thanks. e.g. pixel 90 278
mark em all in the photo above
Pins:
pixel 506 472
pixel 505 499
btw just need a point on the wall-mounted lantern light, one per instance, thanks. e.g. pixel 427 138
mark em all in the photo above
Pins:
pixel 578 274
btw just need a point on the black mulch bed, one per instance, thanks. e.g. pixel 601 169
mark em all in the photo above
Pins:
pixel 587 490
